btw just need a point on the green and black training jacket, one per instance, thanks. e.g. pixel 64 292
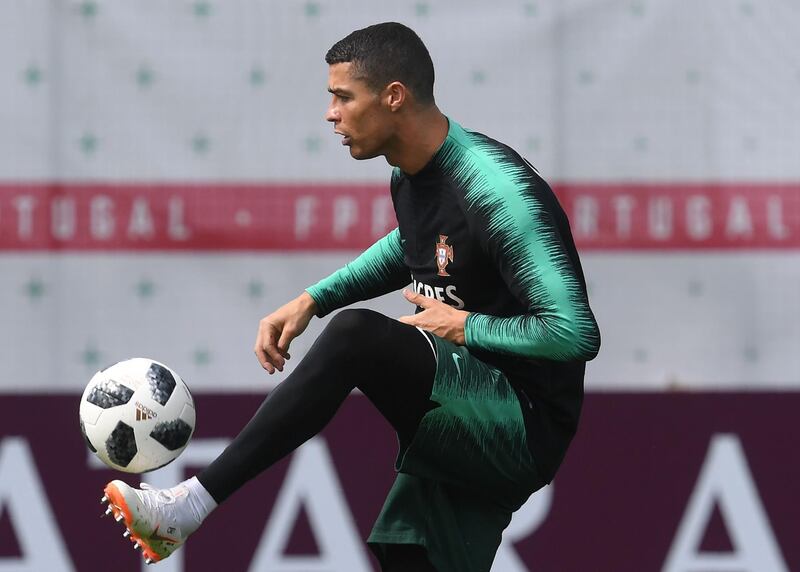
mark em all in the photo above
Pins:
pixel 479 229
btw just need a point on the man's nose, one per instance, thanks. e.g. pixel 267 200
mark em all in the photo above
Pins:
pixel 331 115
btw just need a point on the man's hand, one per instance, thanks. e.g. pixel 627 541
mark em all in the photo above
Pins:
pixel 277 330
pixel 437 318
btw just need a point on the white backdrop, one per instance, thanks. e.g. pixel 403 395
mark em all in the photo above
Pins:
pixel 590 91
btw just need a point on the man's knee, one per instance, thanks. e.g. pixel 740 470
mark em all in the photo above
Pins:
pixel 356 329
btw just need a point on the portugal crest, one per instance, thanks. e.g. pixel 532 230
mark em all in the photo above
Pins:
pixel 444 255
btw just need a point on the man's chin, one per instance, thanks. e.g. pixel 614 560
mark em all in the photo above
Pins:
pixel 361 155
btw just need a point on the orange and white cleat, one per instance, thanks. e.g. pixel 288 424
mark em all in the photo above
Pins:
pixel 152 522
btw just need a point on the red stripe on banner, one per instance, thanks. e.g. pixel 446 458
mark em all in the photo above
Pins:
pixel 234 216
pixel 683 216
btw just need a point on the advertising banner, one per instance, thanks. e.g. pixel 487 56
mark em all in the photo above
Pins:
pixel 675 482
pixel 297 217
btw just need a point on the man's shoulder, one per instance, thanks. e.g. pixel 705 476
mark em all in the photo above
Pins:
pixel 486 153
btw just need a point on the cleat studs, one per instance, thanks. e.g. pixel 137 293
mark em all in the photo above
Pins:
pixel 136 546
pixel 118 517
pixel 147 561
pixel 127 533
pixel 108 511
pixel 104 499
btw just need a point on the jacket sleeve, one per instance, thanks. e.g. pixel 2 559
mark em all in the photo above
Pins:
pixel 526 235
pixel 378 270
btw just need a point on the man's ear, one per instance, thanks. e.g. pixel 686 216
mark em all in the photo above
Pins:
pixel 395 95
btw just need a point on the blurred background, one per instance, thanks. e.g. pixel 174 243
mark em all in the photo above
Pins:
pixel 167 178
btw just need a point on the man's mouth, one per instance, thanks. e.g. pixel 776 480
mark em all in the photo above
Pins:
pixel 345 138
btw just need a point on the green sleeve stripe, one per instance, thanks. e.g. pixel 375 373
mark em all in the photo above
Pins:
pixel 378 270
pixel 533 261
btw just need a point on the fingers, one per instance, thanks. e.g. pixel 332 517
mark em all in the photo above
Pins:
pixel 287 335
pixel 274 357
pixel 261 355
pixel 266 349
pixel 263 359
pixel 418 299
pixel 410 320
pixel 421 301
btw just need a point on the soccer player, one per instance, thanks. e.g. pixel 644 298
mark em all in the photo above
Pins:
pixel 483 384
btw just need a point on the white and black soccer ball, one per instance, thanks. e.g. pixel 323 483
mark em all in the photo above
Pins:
pixel 137 415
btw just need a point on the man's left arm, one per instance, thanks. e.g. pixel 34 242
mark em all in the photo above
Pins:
pixel 521 233
pixel 522 238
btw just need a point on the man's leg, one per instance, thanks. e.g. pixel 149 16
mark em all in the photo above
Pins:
pixel 391 363
pixel 465 472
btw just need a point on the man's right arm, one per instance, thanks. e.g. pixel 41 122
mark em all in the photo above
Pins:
pixel 378 270
pixel 277 330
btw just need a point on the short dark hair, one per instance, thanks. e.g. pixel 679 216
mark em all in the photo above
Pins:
pixel 387 52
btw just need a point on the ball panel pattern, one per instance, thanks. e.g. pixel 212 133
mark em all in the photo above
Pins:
pixel 162 384
pixel 172 434
pixel 109 393
pixel 137 415
pixel 121 444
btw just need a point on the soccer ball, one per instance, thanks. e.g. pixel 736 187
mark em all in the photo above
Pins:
pixel 137 415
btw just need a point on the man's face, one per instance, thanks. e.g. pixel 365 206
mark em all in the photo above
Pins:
pixel 357 113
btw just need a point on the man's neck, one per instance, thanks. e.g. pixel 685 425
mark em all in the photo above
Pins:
pixel 419 139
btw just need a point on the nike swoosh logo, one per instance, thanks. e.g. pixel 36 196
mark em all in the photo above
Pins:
pixel 157 536
pixel 457 357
